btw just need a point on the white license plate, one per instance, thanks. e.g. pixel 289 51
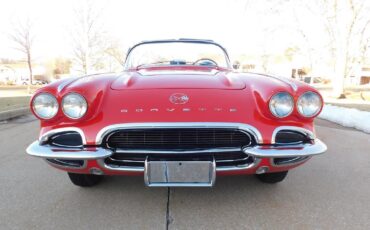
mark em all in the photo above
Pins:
pixel 180 173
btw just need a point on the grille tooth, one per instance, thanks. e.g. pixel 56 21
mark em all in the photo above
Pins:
pixel 185 138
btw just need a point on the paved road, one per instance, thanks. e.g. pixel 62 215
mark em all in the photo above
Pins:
pixel 331 191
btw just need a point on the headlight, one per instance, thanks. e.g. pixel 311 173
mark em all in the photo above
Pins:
pixel 309 104
pixel 74 105
pixel 45 105
pixel 281 104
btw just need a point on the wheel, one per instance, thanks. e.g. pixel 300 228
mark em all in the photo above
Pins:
pixel 272 178
pixel 84 180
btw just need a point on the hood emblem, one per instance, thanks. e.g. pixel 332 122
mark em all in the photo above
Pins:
pixel 179 98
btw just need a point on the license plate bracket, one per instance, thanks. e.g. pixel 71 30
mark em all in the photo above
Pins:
pixel 159 173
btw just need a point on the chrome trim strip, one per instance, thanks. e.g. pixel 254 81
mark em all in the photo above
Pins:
pixel 213 150
pixel 45 137
pixel 283 79
pixel 140 161
pixel 141 169
pixel 286 81
pixel 46 151
pixel 294 161
pixel 126 160
pixel 181 40
pixel 288 150
pixel 103 132
pixel 102 164
pixel 306 132
pixel 239 167
pixel 64 166
pixel 234 160
pixel 62 85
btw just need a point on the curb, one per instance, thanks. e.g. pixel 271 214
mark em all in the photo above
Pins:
pixel 5 115
pixel 11 107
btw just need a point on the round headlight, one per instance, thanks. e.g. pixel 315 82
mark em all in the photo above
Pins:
pixel 74 105
pixel 309 104
pixel 281 104
pixel 45 105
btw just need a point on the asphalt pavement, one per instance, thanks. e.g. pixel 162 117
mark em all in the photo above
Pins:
pixel 331 191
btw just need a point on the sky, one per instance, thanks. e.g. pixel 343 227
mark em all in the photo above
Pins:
pixel 238 25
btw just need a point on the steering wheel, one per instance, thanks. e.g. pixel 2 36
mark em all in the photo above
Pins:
pixel 205 62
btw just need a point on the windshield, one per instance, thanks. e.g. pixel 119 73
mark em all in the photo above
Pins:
pixel 177 53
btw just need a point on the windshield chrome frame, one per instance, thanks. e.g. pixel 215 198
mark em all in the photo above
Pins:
pixel 198 41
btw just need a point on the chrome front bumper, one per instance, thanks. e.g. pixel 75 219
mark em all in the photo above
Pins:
pixel 94 153
pixel 299 150
pixel 52 152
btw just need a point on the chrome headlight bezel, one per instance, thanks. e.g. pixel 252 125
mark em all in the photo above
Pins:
pixel 73 114
pixel 54 106
pixel 272 106
pixel 300 108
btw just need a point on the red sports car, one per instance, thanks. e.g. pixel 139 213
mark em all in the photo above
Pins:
pixel 179 116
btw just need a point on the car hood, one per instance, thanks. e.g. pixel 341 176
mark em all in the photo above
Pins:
pixel 202 78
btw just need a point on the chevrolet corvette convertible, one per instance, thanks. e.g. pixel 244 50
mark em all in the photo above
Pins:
pixel 178 115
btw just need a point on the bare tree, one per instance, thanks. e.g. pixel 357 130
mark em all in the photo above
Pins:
pixel 23 37
pixel 346 24
pixel 116 51
pixel 365 42
pixel 87 36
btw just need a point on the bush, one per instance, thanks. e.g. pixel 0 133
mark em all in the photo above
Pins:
pixel 10 82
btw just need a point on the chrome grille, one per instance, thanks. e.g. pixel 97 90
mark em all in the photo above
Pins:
pixel 178 138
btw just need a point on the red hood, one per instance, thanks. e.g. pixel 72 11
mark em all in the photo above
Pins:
pixel 178 78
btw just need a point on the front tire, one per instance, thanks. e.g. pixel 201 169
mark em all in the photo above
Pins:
pixel 84 180
pixel 272 178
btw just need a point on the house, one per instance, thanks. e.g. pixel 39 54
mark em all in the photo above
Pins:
pixel 360 77
pixel 365 76
pixel 16 73
pixel 7 74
